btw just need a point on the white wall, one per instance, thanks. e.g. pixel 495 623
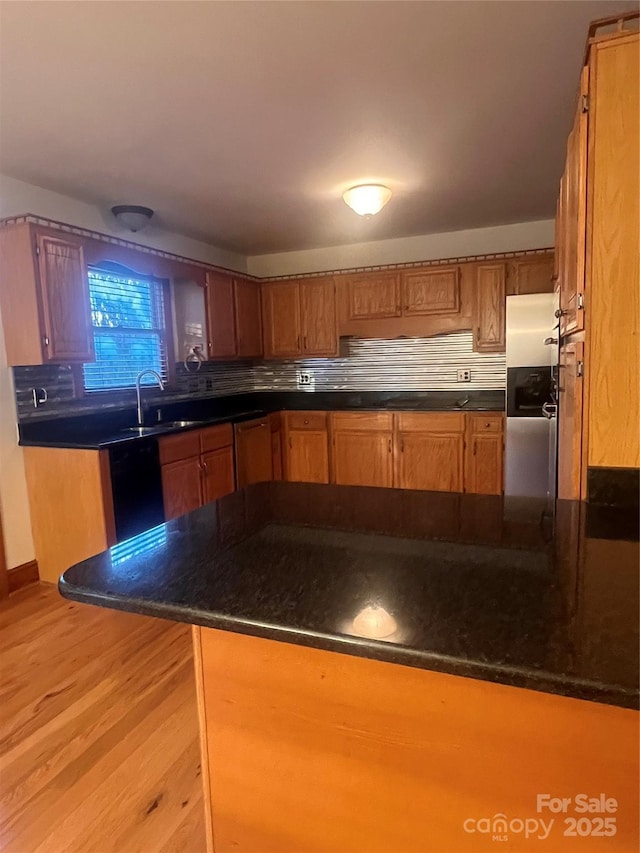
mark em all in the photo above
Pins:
pixel 452 244
pixel 18 197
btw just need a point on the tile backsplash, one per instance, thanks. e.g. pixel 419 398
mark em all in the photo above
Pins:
pixel 405 364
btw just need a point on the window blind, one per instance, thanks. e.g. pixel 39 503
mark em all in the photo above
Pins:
pixel 128 319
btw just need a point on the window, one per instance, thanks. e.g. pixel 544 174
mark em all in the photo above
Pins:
pixel 128 319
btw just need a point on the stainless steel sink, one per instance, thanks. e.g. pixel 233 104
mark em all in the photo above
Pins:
pixel 163 427
pixel 178 424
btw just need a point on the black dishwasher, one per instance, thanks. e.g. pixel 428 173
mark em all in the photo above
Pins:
pixel 136 485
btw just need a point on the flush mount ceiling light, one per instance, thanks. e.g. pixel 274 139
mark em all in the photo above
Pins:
pixel 132 216
pixel 367 199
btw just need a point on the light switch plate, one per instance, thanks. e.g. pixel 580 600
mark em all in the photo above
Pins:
pixel 464 376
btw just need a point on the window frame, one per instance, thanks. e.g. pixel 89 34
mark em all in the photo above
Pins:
pixel 117 269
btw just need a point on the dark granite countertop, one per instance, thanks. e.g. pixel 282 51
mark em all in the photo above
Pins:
pixel 103 429
pixel 478 586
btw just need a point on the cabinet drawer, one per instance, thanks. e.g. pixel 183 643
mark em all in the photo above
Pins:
pixel 306 420
pixel 359 421
pixel 479 423
pixel 212 438
pixel 445 422
pixel 181 446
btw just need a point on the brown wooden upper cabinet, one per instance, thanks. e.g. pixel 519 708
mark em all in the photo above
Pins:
pixel 234 316
pixel 489 326
pixel 362 448
pixel 431 291
pixel 44 297
pixel 372 296
pixel 573 214
pixel 534 274
pixel 248 318
pixel 299 318
pixel 221 316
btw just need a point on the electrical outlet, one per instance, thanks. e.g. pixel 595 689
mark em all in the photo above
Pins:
pixel 464 376
pixel 306 381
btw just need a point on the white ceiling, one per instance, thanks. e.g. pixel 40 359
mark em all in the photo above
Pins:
pixel 241 123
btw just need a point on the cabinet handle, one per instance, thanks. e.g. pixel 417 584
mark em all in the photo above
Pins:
pixel 402 445
pixel 298 342
pixel 305 341
pixel 290 443
pixel 203 467
pixel 475 447
pixel 390 445
pixel 45 340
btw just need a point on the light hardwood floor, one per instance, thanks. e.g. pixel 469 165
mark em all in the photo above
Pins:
pixel 99 745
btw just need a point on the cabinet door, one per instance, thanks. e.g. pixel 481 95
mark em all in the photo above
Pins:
pixel 570 393
pixel 319 322
pixel 431 461
pixel 253 452
pixel 221 315
pixel 307 456
pixel 483 474
pixel 362 458
pixel 574 219
pixel 373 295
pixel 531 275
pixel 431 291
pixel 181 488
pixel 490 308
pixel 281 319
pixel 218 475
pixel 190 314
pixel 64 290
pixel 248 319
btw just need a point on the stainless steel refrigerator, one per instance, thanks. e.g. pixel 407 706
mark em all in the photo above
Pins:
pixel 532 359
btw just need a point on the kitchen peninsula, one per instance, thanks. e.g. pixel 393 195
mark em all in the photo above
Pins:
pixel 393 670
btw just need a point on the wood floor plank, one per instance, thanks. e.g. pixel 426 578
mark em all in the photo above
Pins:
pixel 99 748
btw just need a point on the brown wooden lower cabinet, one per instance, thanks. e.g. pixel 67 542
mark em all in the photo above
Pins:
pixel 430 451
pixel 484 461
pixel 197 467
pixel 254 460
pixel 306 457
pixel 362 448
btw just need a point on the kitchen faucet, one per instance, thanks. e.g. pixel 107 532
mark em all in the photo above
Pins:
pixel 139 391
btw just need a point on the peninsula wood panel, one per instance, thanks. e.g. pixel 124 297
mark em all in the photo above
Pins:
pixel 248 315
pixel 282 322
pixel 383 757
pixel 319 320
pixel 221 316
pixel 489 329
pixel 613 342
pixel 71 506
pixel 431 291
